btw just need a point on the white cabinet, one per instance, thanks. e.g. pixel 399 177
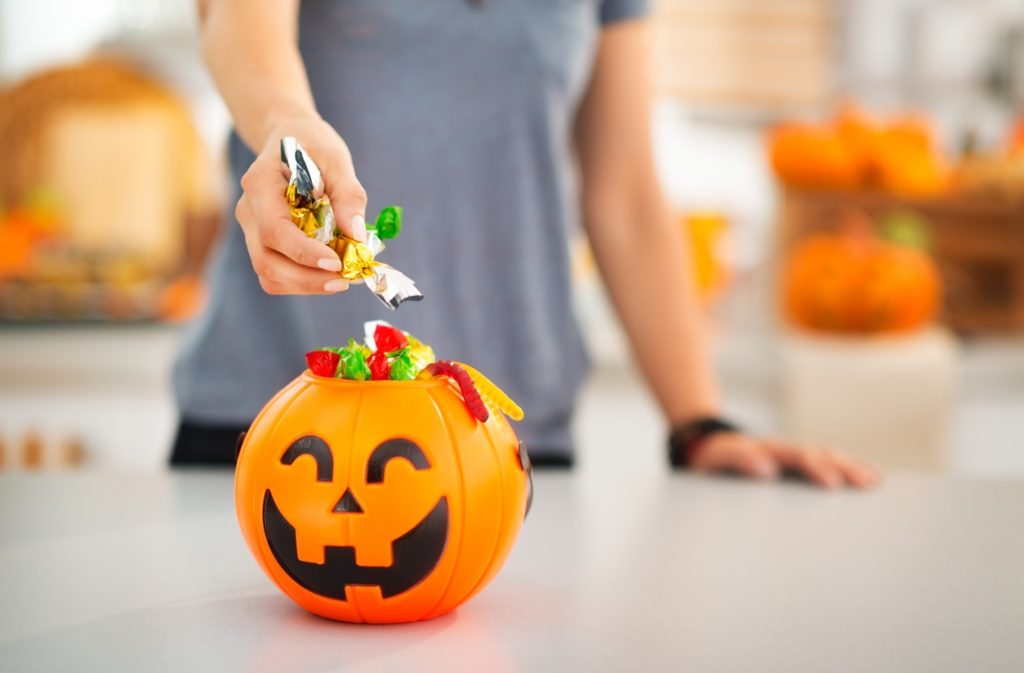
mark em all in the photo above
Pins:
pixel 107 386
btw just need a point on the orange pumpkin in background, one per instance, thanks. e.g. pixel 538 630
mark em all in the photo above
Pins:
pixel 862 134
pixel 17 246
pixel 816 157
pixel 852 281
pixel 706 231
pixel 856 150
pixel 907 161
pixel 22 229
pixel 379 501
pixel 1016 144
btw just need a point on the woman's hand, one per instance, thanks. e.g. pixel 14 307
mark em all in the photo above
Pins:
pixel 767 459
pixel 286 260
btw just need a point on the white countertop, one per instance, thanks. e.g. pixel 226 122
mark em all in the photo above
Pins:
pixel 131 572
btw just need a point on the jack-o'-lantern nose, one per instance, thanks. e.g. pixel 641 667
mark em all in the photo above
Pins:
pixel 348 503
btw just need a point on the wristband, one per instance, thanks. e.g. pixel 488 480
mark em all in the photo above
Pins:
pixel 685 439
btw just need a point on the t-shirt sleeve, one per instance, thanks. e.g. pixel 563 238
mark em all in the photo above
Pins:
pixel 622 10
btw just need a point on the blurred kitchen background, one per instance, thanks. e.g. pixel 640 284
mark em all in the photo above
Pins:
pixel 845 169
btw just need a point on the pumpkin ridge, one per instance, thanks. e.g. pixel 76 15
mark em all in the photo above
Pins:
pixel 254 546
pixel 501 519
pixel 357 414
pixel 257 502
pixel 462 499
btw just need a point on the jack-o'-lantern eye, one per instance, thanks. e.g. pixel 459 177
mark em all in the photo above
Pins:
pixel 311 445
pixel 392 449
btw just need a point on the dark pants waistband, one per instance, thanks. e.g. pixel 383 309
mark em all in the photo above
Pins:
pixel 205 445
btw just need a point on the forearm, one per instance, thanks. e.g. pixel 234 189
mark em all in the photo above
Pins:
pixel 644 261
pixel 250 47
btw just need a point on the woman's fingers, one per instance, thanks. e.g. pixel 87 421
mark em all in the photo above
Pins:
pixel 763 459
pixel 279 273
pixel 346 193
pixel 857 473
pixel 735 453
pixel 348 198
pixel 284 258
pixel 810 463
pixel 820 469
pixel 263 214
pixel 829 469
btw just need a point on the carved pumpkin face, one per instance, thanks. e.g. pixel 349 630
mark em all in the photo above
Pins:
pixel 379 501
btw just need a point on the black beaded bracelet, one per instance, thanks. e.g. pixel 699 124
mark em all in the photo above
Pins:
pixel 686 438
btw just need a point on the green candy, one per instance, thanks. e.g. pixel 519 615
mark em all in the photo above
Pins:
pixel 389 222
pixel 353 362
pixel 402 366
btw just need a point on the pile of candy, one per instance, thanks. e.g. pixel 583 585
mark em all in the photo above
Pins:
pixel 311 211
pixel 389 354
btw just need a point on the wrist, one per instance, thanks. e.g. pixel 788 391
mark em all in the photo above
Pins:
pixel 687 438
pixel 284 117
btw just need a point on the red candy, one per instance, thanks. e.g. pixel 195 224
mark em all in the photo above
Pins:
pixel 389 339
pixel 470 395
pixel 380 368
pixel 323 363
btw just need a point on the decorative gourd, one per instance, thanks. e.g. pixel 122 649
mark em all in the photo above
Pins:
pixel 857 151
pixel 814 157
pixel 1017 138
pixel 379 501
pixel 854 282
pixel 906 161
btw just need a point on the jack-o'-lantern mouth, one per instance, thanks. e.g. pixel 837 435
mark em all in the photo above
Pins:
pixel 415 555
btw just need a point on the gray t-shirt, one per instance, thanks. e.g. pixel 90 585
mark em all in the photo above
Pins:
pixel 461 113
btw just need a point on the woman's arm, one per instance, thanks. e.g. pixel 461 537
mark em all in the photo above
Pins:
pixel 250 48
pixel 643 259
pixel 638 246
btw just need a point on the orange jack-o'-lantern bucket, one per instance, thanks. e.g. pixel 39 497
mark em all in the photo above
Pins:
pixel 379 501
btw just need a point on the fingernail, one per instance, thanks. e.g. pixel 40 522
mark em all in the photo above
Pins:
pixel 335 285
pixel 359 227
pixel 329 264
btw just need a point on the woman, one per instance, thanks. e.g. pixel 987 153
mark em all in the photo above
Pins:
pixel 499 125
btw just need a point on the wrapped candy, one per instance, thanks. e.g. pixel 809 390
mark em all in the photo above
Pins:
pixel 353 362
pixel 388 224
pixel 380 366
pixel 323 362
pixel 402 366
pixel 389 339
pixel 311 211
pixel 389 354
pixel 420 353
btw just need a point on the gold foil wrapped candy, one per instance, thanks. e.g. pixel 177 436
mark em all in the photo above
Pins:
pixel 311 212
